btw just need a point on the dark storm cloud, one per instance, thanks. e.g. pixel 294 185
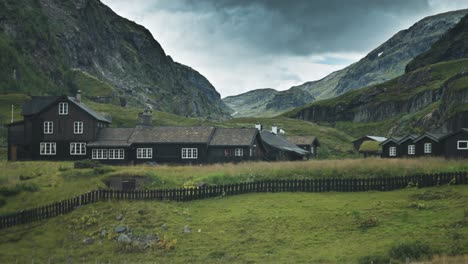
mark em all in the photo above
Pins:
pixel 302 27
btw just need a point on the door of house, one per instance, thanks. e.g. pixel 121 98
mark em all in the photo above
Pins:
pixel 13 153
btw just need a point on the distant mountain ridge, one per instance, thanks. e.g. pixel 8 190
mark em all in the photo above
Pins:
pixel 45 43
pixel 382 64
pixel 431 96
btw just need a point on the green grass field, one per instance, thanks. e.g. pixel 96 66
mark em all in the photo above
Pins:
pixel 40 183
pixel 253 228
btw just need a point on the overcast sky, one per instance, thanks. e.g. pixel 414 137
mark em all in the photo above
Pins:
pixel 241 45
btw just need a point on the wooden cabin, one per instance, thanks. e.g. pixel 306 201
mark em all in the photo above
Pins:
pixel 455 145
pixel 308 143
pixel 407 147
pixel 429 144
pixel 370 148
pixel 390 148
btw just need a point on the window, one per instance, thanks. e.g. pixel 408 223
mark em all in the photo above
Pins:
pixel 189 153
pixel 144 153
pixel 48 148
pixel 78 127
pixel 48 127
pixel 392 151
pixel 462 144
pixel 63 108
pixel 116 153
pixel 227 152
pixel 99 154
pixel 239 152
pixel 411 150
pixel 77 148
pixel 427 147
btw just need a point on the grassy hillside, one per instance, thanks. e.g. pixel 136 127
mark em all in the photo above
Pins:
pixel 254 228
pixel 31 184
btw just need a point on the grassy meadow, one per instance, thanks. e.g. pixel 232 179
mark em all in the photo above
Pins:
pixel 255 228
pixel 31 184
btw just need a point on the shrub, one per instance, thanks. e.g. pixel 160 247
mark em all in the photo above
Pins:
pixel 25 177
pixel 9 190
pixel 368 222
pixel 102 170
pixel 413 250
pixel 61 168
pixel 86 164
pixel 28 187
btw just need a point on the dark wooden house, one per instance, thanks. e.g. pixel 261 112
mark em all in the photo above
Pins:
pixel 407 147
pixel 235 145
pixel 278 148
pixel 390 148
pixel 358 142
pixel 54 128
pixel 455 145
pixel 308 143
pixel 429 144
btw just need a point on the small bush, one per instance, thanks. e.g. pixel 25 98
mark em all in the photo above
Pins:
pixel 368 222
pixel 374 259
pixel 61 168
pixel 28 187
pixel 87 164
pixel 414 250
pixel 25 177
pixel 102 170
pixel 9 190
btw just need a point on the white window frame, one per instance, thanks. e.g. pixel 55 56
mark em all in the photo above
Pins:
pixel 48 127
pixel 411 149
pixel 189 153
pixel 462 141
pixel 239 152
pixel 63 108
pixel 48 148
pixel 116 154
pixel 392 151
pixel 99 154
pixel 427 148
pixel 144 153
pixel 78 127
pixel 77 148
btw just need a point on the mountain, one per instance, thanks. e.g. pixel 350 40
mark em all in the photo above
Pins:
pixel 382 64
pixel 58 46
pixel 431 96
pixel 266 102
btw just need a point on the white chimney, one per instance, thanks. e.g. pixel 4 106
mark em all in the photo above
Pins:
pixel 258 126
pixel 146 118
pixel 78 96
pixel 274 130
pixel 282 132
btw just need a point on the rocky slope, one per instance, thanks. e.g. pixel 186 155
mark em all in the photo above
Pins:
pixel 382 64
pixel 44 42
pixel 431 97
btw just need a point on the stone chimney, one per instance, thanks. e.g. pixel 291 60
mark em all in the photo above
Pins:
pixel 146 118
pixel 274 129
pixel 258 126
pixel 78 96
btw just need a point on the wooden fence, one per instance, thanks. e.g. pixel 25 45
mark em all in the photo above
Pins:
pixel 189 194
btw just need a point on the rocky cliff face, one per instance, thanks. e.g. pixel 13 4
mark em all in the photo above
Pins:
pixel 433 97
pixel 58 36
pixel 384 63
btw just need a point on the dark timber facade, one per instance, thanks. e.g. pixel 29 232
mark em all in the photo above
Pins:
pixel 63 128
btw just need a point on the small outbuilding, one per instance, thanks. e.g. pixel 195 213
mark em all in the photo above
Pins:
pixel 370 149
pixel 309 143
pixel 279 148
pixel 429 144
pixel 407 147
pixel 455 145
pixel 390 148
